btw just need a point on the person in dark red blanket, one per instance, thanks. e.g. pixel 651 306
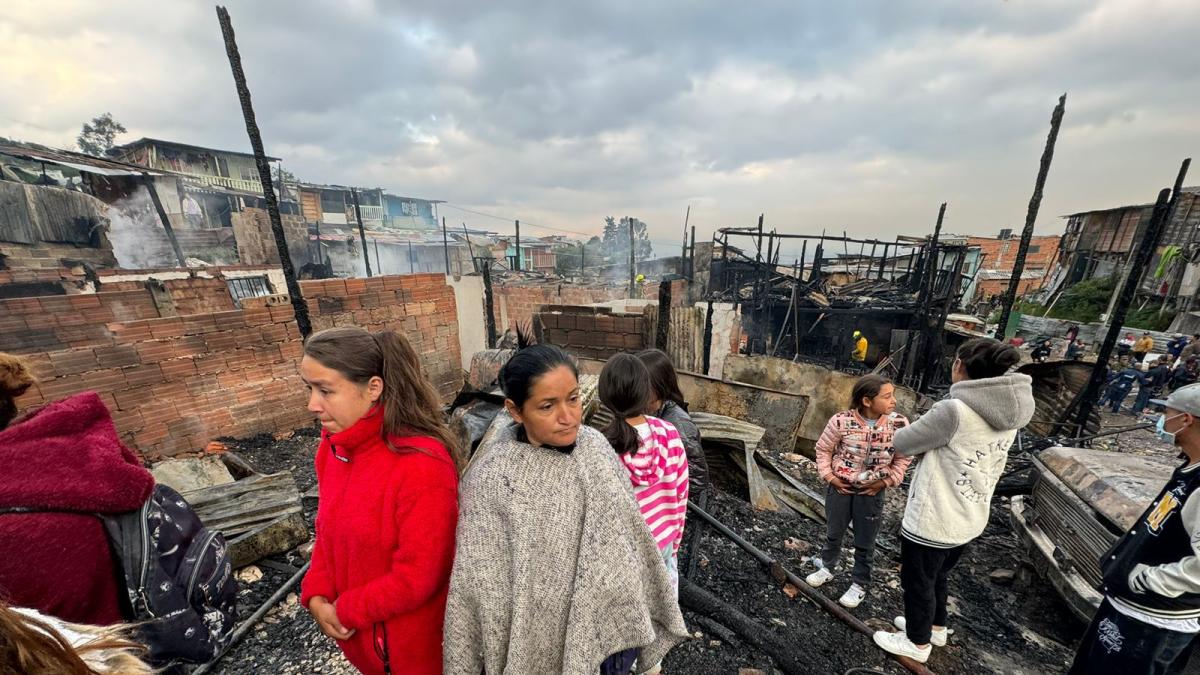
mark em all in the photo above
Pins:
pixel 389 502
pixel 68 457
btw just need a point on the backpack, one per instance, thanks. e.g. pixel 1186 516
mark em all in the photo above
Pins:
pixel 181 592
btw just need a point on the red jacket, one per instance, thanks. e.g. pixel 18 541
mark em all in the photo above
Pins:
pixel 67 456
pixel 385 544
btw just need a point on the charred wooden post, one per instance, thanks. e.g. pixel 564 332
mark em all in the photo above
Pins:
pixel 1145 250
pixel 520 265
pixel 708 337
pixel 362 233
pixel 1030 217
pixel 162 217
pixel 474 262
pixel 299 306
pixel 704 603
pixel 664 314
pixel 758 241
pixel 445 245
pixel 632 261
pixel 691 265
pixel 490 314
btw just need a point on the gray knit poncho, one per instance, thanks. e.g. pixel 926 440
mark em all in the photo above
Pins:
pixel 555 568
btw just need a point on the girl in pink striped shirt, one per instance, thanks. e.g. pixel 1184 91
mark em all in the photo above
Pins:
pixel 651 451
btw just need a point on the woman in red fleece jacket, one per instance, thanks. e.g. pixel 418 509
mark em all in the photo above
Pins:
pixel 389 502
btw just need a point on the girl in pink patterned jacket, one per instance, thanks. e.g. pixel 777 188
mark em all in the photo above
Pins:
pixel 651 451
pixel 856 458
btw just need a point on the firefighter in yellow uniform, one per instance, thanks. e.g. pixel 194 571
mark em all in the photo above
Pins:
pixel 860 347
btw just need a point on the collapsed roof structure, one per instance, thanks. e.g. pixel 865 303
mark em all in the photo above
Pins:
pixel 897 293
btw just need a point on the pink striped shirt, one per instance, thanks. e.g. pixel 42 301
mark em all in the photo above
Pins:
pixel 659 474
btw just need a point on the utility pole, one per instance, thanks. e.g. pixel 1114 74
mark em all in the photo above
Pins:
pixel 362 233
pixel 519 265
pixel 632 262
pixel 445 245
pixel 299 306
pixel 582 256
pixel 1145 249
pixel 684 254
pixel 410 258
pixel 1035 202
pixel 692 258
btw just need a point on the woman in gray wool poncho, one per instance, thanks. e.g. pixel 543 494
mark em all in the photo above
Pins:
pixel 555 570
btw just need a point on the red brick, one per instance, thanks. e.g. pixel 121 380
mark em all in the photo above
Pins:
pixel 166 328
pixel 143 375
pixel 154 351
pixel 74 361
pixel 175 369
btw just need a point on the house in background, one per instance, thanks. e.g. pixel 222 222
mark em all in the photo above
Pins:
pixel 410 213
pixel 219 168
pixel 993 274
pixel 1099 244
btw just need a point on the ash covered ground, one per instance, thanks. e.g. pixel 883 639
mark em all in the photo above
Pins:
pixel 1007 622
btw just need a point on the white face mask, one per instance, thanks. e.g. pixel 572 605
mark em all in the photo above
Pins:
pixel 1160 428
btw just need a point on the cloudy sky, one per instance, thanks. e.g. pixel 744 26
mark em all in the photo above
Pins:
pixel 838 116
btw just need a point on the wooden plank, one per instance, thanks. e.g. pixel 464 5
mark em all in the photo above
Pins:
pixel 242 506
pixel 279 535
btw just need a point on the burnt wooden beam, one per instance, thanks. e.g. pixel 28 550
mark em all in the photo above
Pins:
pixel 299 306
pixel 1035 203
pixel 362 233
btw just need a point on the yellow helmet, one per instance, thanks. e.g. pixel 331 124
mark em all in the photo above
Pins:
pixel 641 278
pixel 857 333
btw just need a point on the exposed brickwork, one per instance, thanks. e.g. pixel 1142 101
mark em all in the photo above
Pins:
pixel 256 243
pixel 175 383
pixel 47 255
pixel 519 302
pixel 593 331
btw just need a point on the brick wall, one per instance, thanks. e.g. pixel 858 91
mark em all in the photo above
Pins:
pixel 174 383
pixel 56 322
pixel 592 331
pixel 47 255
pixel 256 243
pixel 193 295
pixel 516 303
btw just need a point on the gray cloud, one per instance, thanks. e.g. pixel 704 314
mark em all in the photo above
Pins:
pixel 857 116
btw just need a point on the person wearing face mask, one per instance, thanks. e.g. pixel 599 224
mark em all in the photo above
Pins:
pixel 1151 585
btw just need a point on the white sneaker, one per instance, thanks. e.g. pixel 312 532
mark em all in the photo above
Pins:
pixel 938 638
pixel 853 596
pixel 818 578
pixel 900 645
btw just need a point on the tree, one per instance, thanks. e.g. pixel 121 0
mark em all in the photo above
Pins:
pixel 567 262
pixel 96 137
pixel 616 240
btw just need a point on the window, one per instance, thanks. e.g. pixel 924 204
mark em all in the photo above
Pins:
pixel 333 202
pixel 248 287
pixel 222 167
pixel 1034 248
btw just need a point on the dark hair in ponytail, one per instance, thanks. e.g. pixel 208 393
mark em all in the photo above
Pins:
pixel 15 380
pixel 518 376
pixel 411 405
pixel 625 389
pixel 663 377
pixel 987 357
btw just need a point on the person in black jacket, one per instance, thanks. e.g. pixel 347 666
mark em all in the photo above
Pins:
pixel 1151 586
pixel 1041 352
pixel 1156 378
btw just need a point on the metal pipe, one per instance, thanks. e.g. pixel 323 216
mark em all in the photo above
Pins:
pixel 241 630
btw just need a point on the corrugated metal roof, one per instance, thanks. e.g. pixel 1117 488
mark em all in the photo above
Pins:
pixel 75 160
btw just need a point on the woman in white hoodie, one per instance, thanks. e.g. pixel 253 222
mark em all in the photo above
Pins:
pixel 963 442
